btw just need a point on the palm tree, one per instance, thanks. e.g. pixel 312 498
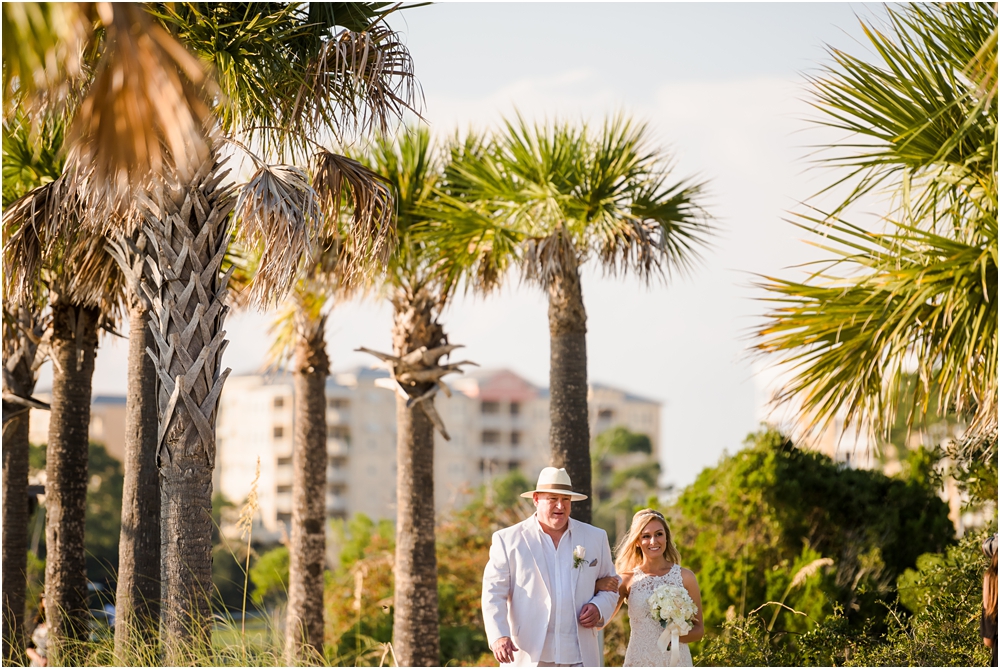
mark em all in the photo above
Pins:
pixel 83 285
pixel 575 194
pixel 138 591
pixel 22 333
pixel 922 121
pixel 26 165
pixel 300 339
pixel 437 247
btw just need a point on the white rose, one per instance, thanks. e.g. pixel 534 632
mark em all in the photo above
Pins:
pixel 580 552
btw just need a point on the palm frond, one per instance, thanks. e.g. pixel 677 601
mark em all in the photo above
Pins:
pixel 364 79
pixel 923 299
pixel 146 104
pixel 43 45
pixel 25 232
pixel 369 238
pixel 923 293
pixel 276 210
pixel 917 109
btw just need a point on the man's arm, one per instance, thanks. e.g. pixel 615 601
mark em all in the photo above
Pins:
pixel 496 592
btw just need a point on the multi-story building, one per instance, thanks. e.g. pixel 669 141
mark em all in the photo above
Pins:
pixel 498 422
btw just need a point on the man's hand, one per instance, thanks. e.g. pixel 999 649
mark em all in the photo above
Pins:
pixel 590 616
pixel 504 649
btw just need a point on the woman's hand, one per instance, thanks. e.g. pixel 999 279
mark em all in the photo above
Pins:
pixel 606 584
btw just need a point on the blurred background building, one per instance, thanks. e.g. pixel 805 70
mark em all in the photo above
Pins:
pixel 498 422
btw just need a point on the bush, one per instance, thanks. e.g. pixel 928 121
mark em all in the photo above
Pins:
pixel 944 630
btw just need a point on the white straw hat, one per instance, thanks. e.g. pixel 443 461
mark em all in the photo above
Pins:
pixel 555 481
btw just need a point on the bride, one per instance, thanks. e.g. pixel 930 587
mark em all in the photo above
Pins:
pixel 647 558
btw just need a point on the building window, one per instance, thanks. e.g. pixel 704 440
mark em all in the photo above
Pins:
pixel 490 408
pixel 487 466
pixel 491 437
pixel 515 409
pixel 342 432
pixel 337 488
pixel 338 403
pixel 285 518
pixel 515 438
pixel 284 488
pixel 279 402
pixel 513 465
pixel 338 462
pixel 605 414
pixel 278 432
pixel 285 462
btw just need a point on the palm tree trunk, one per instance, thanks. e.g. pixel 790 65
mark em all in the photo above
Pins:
pixel 304 626
pixel 415 630
pixel 74 347
pixel 189 231
pixel 137 603
pixel 569 434
pixel 15 536
pixel 19 364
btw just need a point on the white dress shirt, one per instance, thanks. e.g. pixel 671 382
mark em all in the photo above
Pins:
pixel 562 643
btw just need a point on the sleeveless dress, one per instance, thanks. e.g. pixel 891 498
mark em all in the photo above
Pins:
pixel 642 650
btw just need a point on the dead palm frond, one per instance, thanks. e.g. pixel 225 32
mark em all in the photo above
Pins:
pixel 274 212
pixel 371 235
pixel 147 100
pixel 367 77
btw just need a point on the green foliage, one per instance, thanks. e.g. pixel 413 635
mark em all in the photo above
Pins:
pixel 945 594
pixel 32 157
pixel 269 575
pixel 921 119
pixel 945 591
pixel 772 509
pixel 103 511
pixel 228 563
pixel 624 475
pixel 355 536
pixel 619 440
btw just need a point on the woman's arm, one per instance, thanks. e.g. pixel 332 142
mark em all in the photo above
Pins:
pixel 622 596
pixel 691 585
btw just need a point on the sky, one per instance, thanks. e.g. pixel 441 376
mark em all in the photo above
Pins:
pixel 724 88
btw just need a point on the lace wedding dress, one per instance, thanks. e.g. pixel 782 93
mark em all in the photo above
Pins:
pixel 642 650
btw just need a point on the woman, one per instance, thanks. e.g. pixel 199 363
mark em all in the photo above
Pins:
pixel 646 559
pixel 38 653
pixel 988 622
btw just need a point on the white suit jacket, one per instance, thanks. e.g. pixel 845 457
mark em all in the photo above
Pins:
pixel 517 594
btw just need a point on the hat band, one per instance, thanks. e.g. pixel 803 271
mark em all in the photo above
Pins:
pixel 555 486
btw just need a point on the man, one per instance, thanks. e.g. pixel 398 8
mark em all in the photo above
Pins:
pixel 538 587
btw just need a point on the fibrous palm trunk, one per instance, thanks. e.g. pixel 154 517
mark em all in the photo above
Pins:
pixel 569 433
pixel 137 607
pixel 74 347
pixel 19 351
pixel 415 621
pixel 304 626
pixel 188 228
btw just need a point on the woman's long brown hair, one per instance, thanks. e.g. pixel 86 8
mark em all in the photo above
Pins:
pixel 990 588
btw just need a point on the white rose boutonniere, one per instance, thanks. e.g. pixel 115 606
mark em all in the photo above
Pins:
pixel 579 556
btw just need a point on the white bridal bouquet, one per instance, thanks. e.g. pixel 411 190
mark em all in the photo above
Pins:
pixel 673 608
